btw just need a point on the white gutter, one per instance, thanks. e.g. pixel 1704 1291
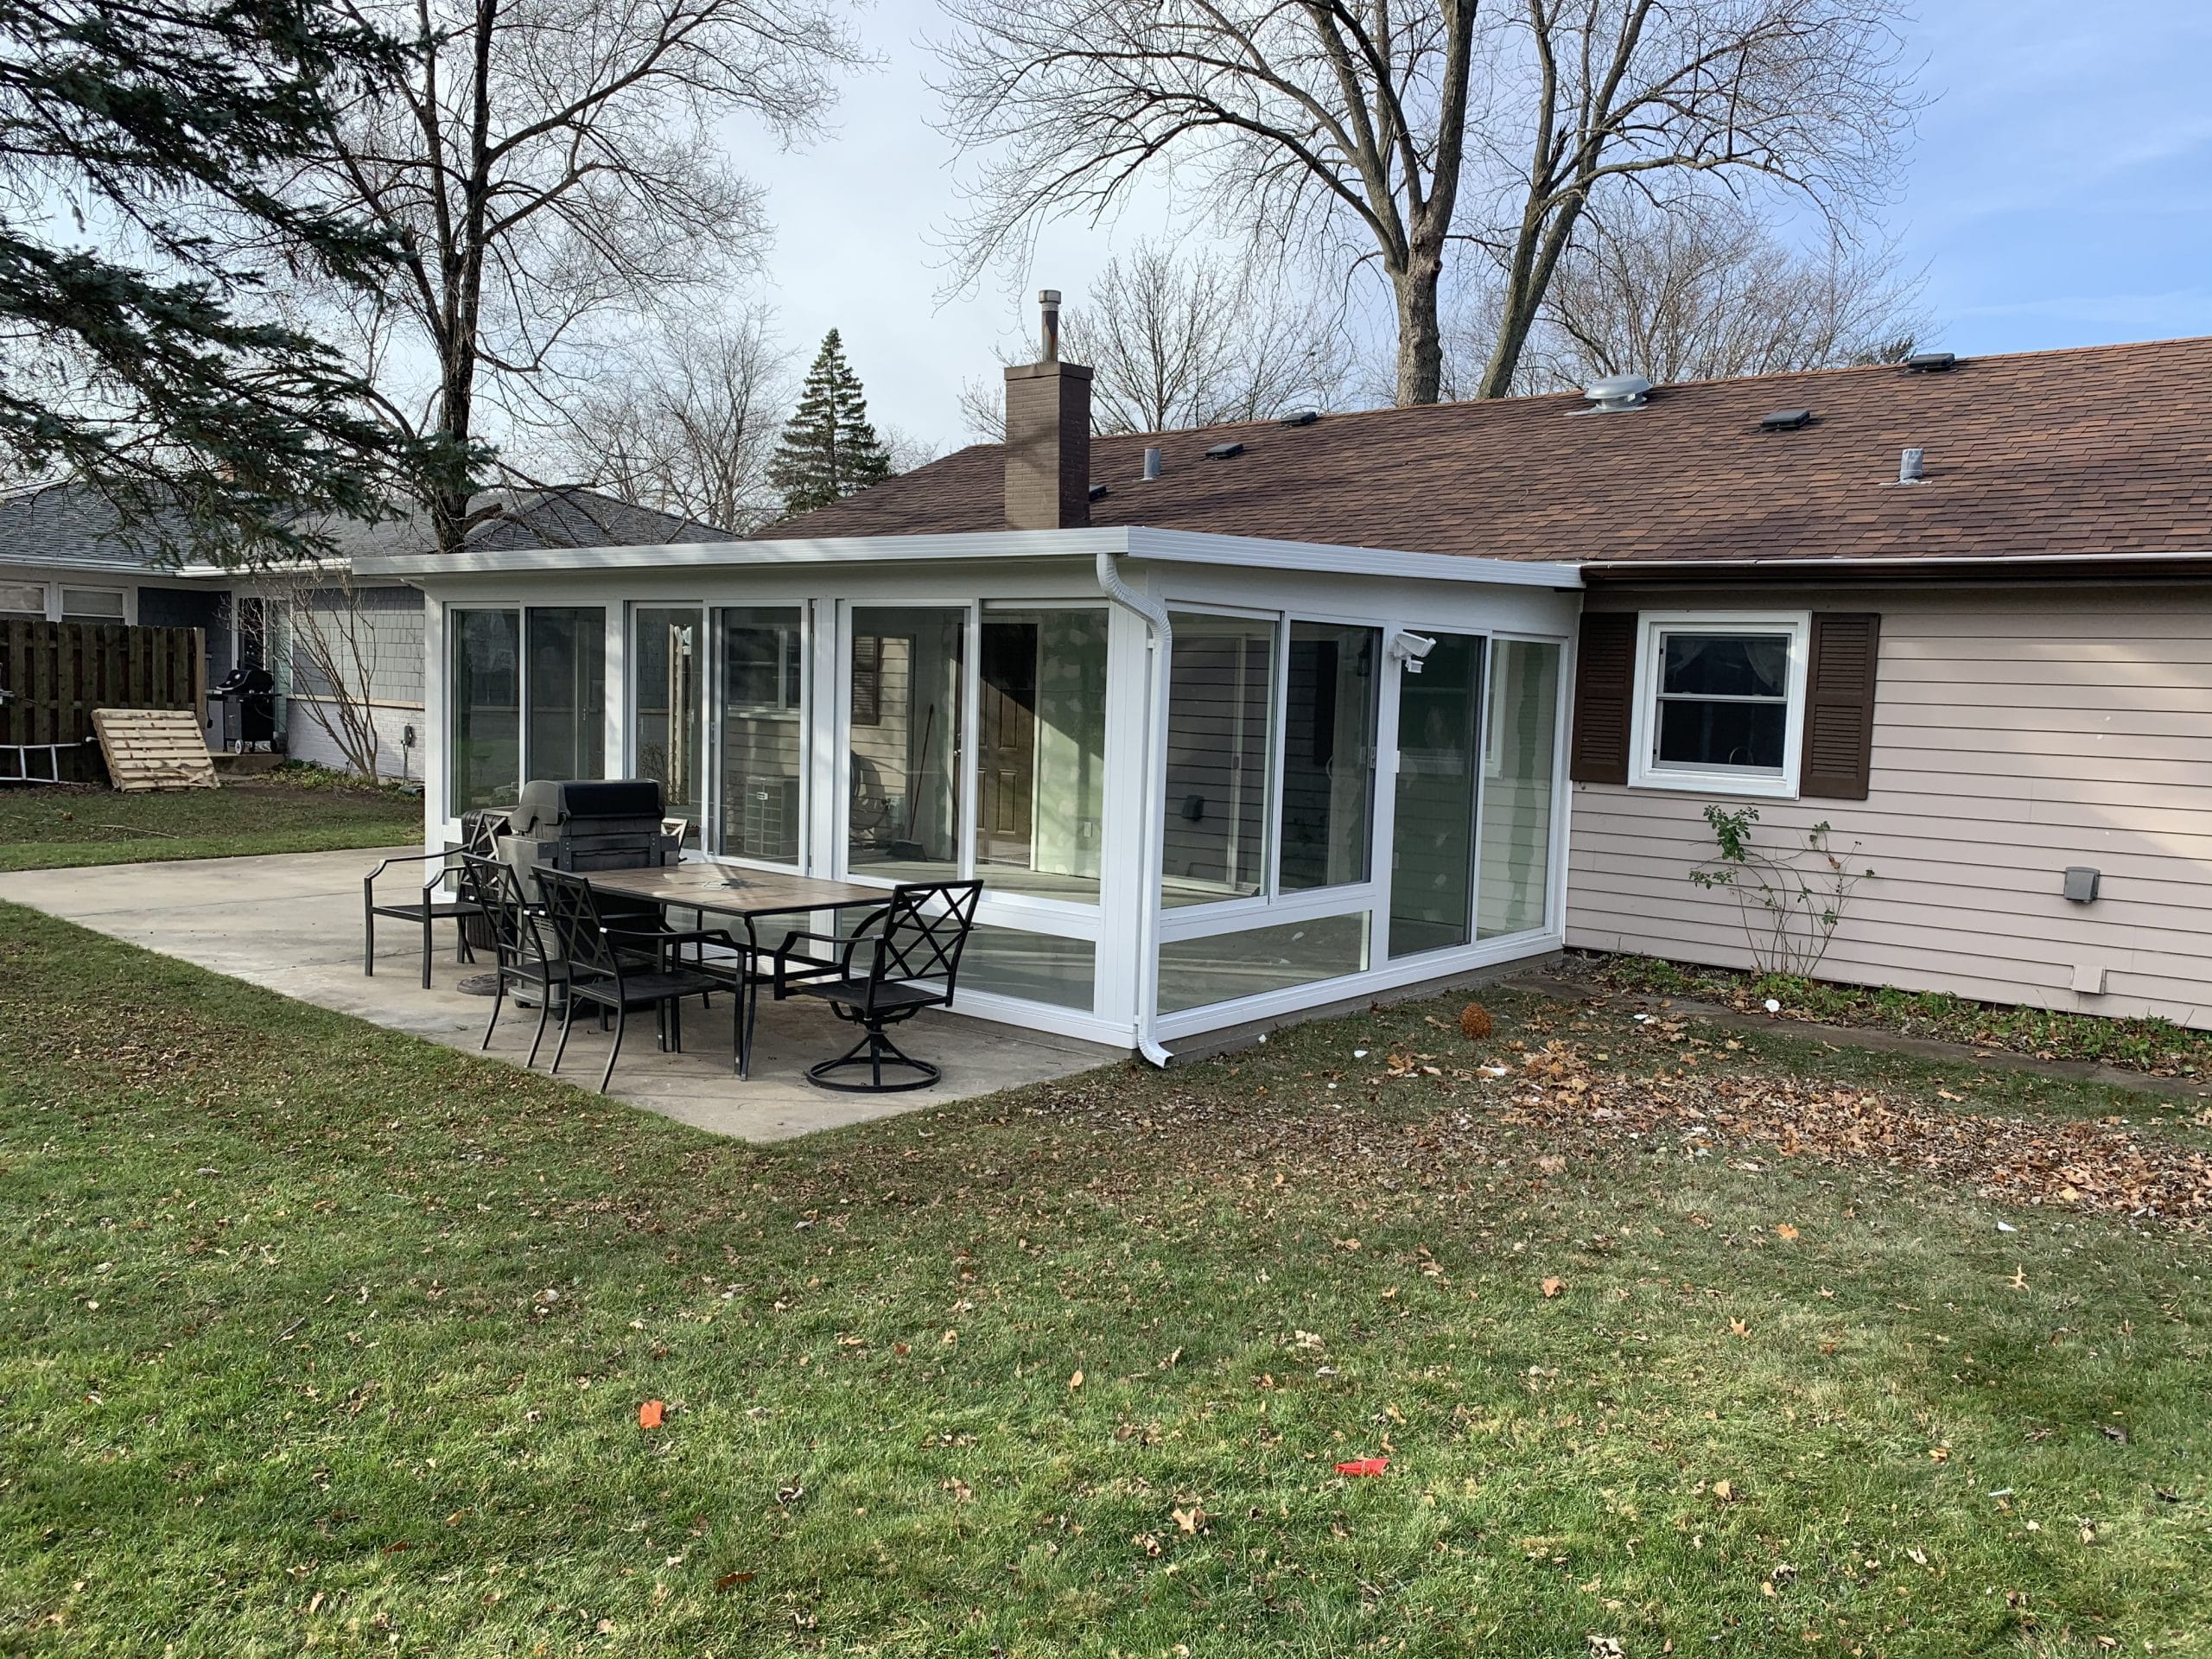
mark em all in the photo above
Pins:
pixel 1903 561
pixel 1154 617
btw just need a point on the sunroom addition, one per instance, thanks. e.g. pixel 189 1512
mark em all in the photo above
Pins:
pixel 1203 779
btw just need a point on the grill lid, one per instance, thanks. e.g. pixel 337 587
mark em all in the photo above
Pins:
pixel 549 804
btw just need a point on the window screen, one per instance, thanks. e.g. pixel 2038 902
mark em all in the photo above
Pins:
pixel 1723 701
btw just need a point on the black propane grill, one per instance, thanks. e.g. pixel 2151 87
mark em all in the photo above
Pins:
pixel 586 825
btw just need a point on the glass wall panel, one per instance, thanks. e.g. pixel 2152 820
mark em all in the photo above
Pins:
pixel 1196 972
pixel 665 647
pixel 568 693
pixel 1439 742
pixel 1037 967
pixel 1219 702
pixel 905 743
pixel 1328 755
pixel 1040 781
pixel 763 733
pixel 1518 792
pixel 487 695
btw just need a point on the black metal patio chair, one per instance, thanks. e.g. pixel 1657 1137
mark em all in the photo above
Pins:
pixel 518 939
pixel 620 970
pixel 426 908
pixel 913 946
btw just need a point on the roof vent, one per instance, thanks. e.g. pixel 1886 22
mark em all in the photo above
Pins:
pixel 1299 418
pixel 1098 491
pixel 1224 451
pixel 1909 468
pixel 1785 420
pixel 1616 392
pixel 1931 363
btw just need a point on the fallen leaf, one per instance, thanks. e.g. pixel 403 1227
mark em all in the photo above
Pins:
pixel 1724 1491
pixel 1552 1287
pixel 1147 1543
pixel 731 1581
pixel 1364 1466
pixel 1076 1381
pixel 1785 1232
pixel 1191 1519
pixel 652 1415
pixel 1736 1327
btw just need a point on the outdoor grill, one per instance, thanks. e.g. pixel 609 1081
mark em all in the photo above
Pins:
pixel 586 825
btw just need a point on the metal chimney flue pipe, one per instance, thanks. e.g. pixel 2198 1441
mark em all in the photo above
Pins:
pixel 1151 465
pixel 1048 304
pixel 1908 467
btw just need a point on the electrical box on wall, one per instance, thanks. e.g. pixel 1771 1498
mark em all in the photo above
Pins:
pixel 2081 883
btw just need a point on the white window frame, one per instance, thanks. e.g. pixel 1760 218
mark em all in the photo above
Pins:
pixel 1645 772
pixel 126 612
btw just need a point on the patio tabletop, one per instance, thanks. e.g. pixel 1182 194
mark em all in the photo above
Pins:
pixel 727 890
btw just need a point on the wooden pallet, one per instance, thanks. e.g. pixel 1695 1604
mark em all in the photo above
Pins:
pixel 154 748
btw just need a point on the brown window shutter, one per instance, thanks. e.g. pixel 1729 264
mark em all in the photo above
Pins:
pixel 1840 705
pixel 1605 672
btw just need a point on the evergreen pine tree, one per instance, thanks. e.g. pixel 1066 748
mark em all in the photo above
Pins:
pixel 828 450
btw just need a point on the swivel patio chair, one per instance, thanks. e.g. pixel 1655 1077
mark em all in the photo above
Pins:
pixel 912 948
pixel 620 970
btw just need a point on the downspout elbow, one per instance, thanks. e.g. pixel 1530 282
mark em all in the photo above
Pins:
pixel 1153 615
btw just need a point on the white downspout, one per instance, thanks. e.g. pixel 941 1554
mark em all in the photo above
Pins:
pixel 1154 617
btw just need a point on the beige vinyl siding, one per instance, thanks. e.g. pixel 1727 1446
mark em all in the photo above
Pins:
pixel 2016 731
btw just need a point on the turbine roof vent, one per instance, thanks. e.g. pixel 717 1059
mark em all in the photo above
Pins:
pixel 1616 392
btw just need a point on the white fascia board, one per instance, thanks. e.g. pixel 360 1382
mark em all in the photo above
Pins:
pixel 1199 547
pixel 1138 542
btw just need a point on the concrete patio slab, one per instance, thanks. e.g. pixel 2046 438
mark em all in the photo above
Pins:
pixel 293 924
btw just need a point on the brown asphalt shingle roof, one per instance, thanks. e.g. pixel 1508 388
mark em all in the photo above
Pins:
pixel 2102 450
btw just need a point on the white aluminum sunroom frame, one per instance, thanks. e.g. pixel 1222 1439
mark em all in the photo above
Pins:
pixel 1144 583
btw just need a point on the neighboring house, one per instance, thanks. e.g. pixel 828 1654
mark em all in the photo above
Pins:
pixel 1287 724
pixel 64 556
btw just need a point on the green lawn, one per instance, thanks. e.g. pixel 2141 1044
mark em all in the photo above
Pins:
pixel 47 827
pixel 317 1337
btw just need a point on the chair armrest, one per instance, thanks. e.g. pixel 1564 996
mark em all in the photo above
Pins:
pixel 368 881
pixel 839 968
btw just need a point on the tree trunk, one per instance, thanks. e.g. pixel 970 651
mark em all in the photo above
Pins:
pixel 1420 335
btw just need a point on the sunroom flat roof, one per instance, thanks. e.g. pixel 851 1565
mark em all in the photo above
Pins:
pixel 1131 541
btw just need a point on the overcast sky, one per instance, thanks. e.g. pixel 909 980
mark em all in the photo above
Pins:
pixel 2056 196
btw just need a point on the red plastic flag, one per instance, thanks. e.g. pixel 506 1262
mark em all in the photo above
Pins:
pixel 1364 1466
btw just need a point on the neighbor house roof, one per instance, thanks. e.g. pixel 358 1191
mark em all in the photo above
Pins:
pixel 2094 452
pixel 70 524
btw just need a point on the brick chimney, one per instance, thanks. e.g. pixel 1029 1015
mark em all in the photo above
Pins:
pixel 1048 436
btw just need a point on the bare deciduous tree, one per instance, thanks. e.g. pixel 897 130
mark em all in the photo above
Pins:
pixel 685 425
pixel 549 162
pixel 333 649
pixel 1707 293
pixel 1390 132
pixel 1174 342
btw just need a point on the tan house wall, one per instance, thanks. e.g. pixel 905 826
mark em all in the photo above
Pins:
pixel 2016 731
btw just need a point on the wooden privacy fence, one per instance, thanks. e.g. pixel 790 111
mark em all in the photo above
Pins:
pixel 55 674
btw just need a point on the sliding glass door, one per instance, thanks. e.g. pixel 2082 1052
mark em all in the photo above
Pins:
pixel 1040 778
pixel 906 686
pixel 666 646
pixel 1439 761
pixel 762 740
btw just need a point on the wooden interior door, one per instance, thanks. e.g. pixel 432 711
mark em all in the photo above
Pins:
pixel 1008 779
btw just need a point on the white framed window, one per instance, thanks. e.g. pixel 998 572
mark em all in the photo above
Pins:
pixel 22 599
pixel 1719 701
pixel 93 605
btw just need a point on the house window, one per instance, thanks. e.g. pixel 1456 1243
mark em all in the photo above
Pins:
pixel 903 805
pixel 1040 776
pixel 486 702
pixel 763 734
pixel 1328 758
pixel 1721 701
pixel 22 599
pixel 1220 700
pixel 91 604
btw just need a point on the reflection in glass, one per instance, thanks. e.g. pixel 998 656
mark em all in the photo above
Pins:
pixel 1517 793
pixel 568 693
pixel 1328 755
pixel 763 736
pixel 667 647
pixel 1440 734
pixel 1036 966
pixel 1220 696
pixel 1040 784
pixel 904 803
pixel 1723 701
pixel 486 708
pixel 1196 972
